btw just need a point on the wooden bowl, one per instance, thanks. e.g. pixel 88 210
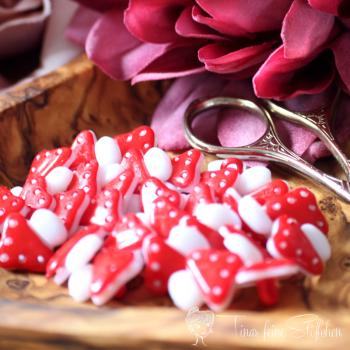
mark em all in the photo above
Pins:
pixel 37 314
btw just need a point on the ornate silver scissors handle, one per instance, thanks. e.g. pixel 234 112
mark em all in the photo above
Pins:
pixel 268 147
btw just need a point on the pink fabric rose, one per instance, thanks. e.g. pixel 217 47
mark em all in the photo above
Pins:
pixel 286 48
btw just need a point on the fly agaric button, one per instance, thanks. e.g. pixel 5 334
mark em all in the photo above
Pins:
pixel 158 163
pixel 215 273
pixel 252 179
pixel 270 191
pixel 161 261
pixel 108 209
pixel 35 194
pixel 130 232
pixel 239 243
pixel 253 215
pixel 83 148
pixel 220 180
pixel 141 138
pixel 45 161
pixel 85 178
pixel 20 247
pixel 125 183
pixel 112 269
pixel 107 151
pixel 266 269
pixel 186 169
pixel 58 179
pixel 152 189
pixel 232 163
pixel 75 253
pixel 79 283
pixel 9 203
pixel 133 159
pixel 300 204
pixel 290 242
pixel 201 194
pixel 231 198
pixel 70 207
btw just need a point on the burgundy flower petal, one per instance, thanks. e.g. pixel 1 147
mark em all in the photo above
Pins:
pixel 225 58
pixel 116 51
pixel 228 28
pixel 335 7
pixel 283 78
pixel 187 27
pixel 341 50
pixel 167 120
pixel 154 21
pixel 305 30
pixel 250 15
pixel 103 5
pixel 80 25
pixel 175 62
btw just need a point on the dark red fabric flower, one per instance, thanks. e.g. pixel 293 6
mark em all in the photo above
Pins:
pixel 286 48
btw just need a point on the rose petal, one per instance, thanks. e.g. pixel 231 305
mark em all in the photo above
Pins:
pixel 80 25
pixel 167 120
pixel 154 21
pixel 103 5
pixel 250 15
pixel 226 58
pixel 283 78
pixel 187 27
pixel 341 51
pixel 335 7
pixel 120 56
pixel 305 30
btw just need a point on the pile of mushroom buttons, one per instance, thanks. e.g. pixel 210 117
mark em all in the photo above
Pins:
pixel 102 212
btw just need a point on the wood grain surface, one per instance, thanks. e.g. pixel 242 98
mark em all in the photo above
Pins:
pixel 36 314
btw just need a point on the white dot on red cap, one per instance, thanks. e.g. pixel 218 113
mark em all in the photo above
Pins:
pixel 157 283
pixel 172 213
pixel 108 204
pixel 2 212
pixel 291 200
pixel 312 207
pixel 4 258
pixel 33 169
pixel 8 241
pixel 155 266
pixel 190 153
pixel 188 161
pixel 315 261
pixel 127 155
pixel 22 258
pixel 277 190
pixel 86 175
pixel 33 181
pixel 217 290
pixel 124 219
pixel 222 184
pixel 224 273
pixel 213 257
pixel 47 154
pixel 129 138
pixel 109 218
pixel 227 172
pixel 159 192
pixel 230 259
pixel 14 203
pixel 69 206
pixel 299 252
pixel 304 194
pixel 76 193
pixel 59 151
pixel 5 197
pixel 291 221
pixel 41 201
pixel 276 206
pixel 131 224
pixel 146 145
pixel 196 255
pixel 40 259
pixel 155 247
pixel 160 204
pixel 286 232
pixel 283 245
pixel 53 265
pixel 213 175
pixel 122 177
pixel 184 174
pixel 86 189
pixel 62 196
pixel 37 191
pixel 197 189
pixel 176 159
pixel 107 193
pixel 143 132
pixel 37 157
pixel 320 223
pixel 13 223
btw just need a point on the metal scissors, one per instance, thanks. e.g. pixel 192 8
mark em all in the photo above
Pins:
pixel 269 146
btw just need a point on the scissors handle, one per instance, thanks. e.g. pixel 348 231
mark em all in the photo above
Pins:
pixel 318 123
pixel 268 147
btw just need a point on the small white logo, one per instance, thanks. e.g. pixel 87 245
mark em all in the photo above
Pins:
pixel 200 323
